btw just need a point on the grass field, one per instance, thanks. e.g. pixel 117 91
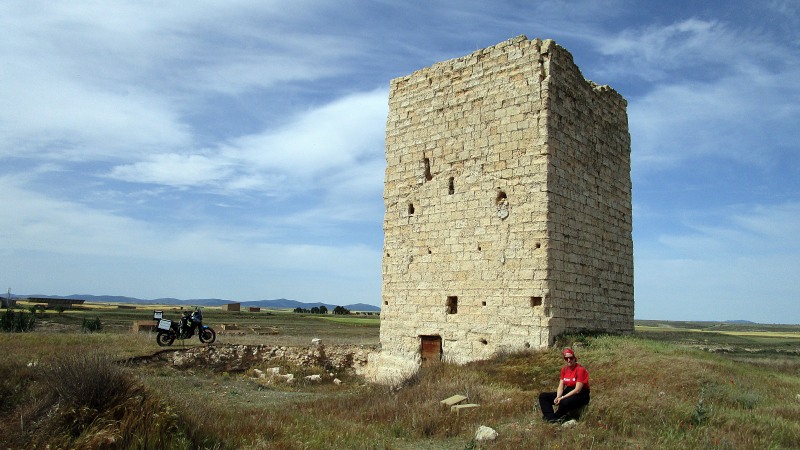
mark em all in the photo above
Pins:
pixel 671 385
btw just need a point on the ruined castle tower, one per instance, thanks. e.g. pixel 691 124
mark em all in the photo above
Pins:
pixel 508 207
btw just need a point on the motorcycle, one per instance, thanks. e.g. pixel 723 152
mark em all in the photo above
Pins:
pixel 185 328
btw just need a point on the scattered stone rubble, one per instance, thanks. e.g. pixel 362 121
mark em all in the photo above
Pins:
pixel 240 358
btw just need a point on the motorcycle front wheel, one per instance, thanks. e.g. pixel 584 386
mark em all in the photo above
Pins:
pixel 207 336
pixel 165 339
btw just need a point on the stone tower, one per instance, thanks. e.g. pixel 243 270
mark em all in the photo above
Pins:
pixel 508 207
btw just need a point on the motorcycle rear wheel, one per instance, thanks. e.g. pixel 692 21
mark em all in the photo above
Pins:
pixel 165 339
pixel 208 336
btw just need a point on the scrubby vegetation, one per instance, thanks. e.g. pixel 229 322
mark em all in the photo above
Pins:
pixel 91 325
pixel 657 389
pixel 17 321
pixel 85 401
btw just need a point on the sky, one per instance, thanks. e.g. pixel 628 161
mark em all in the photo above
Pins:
pixel 235 149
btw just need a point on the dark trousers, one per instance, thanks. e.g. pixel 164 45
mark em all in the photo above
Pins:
pixel 565 406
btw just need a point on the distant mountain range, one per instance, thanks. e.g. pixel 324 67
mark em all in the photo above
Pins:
pixel 277 303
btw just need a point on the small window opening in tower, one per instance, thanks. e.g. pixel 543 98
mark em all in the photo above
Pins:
pixel 536 301
pixel 484 341
pixel 538 245
pixel 427 162
pixel 501 199
pixel 451 186
pixel 410 209
pixel 452 305
pixel 483 303
pixel 386 302
pixel 429 251
pixel 501 202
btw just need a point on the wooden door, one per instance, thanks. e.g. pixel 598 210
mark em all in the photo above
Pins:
pixel 431 349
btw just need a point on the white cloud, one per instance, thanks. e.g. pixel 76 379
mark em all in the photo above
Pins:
pixel 654 50
pixel 174 170
pixel 716 91
pixel 340 136
pixel 733 232
pixel 60 119
pixel 333 136
pixel 749 119
pixel 36 223
pixel 102 80
pixel 738 257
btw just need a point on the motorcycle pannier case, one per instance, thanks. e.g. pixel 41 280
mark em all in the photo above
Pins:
pixel 164 324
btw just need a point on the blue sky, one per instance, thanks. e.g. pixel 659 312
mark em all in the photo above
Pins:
pixel 235 149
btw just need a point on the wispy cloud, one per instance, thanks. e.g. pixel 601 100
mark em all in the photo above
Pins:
pixel 174 170
pixel 719 93
pixel 653 52
pixel 339 136
pixel 732 259
pixel 42 224
pixel 733 118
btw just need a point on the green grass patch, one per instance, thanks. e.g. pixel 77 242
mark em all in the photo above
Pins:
pixel 357 321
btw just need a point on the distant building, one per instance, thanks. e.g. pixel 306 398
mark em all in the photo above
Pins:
pixel 232 307
pixel 53 303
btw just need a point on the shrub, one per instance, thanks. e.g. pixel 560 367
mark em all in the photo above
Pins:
pixel 14 381
pixel 17 322
pixel 91 325
pixel 86 400
pixel 87 380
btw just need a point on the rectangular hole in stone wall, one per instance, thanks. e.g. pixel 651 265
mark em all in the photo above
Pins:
pixel 452 305
pixel 483 303
pixel 430 349
pixel 427 162
pixel 536 301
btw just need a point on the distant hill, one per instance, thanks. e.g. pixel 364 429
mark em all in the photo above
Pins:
pixel 276 304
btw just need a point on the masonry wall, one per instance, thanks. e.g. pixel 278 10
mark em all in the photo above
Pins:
pixel 507 197
pixel 589 189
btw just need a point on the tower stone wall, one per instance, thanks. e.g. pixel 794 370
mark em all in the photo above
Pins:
pixel 508 207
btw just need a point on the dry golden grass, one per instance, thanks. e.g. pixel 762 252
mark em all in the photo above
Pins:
pixel 654 392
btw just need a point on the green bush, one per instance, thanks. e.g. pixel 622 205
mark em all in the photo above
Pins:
pixel 91 325
pixel 17 322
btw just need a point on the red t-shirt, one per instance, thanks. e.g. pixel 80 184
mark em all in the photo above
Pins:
pixel 571 377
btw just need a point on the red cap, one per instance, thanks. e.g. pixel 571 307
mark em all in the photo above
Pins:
pixel 567 352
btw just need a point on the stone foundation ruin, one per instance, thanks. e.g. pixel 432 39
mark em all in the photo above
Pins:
pixel 508 208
